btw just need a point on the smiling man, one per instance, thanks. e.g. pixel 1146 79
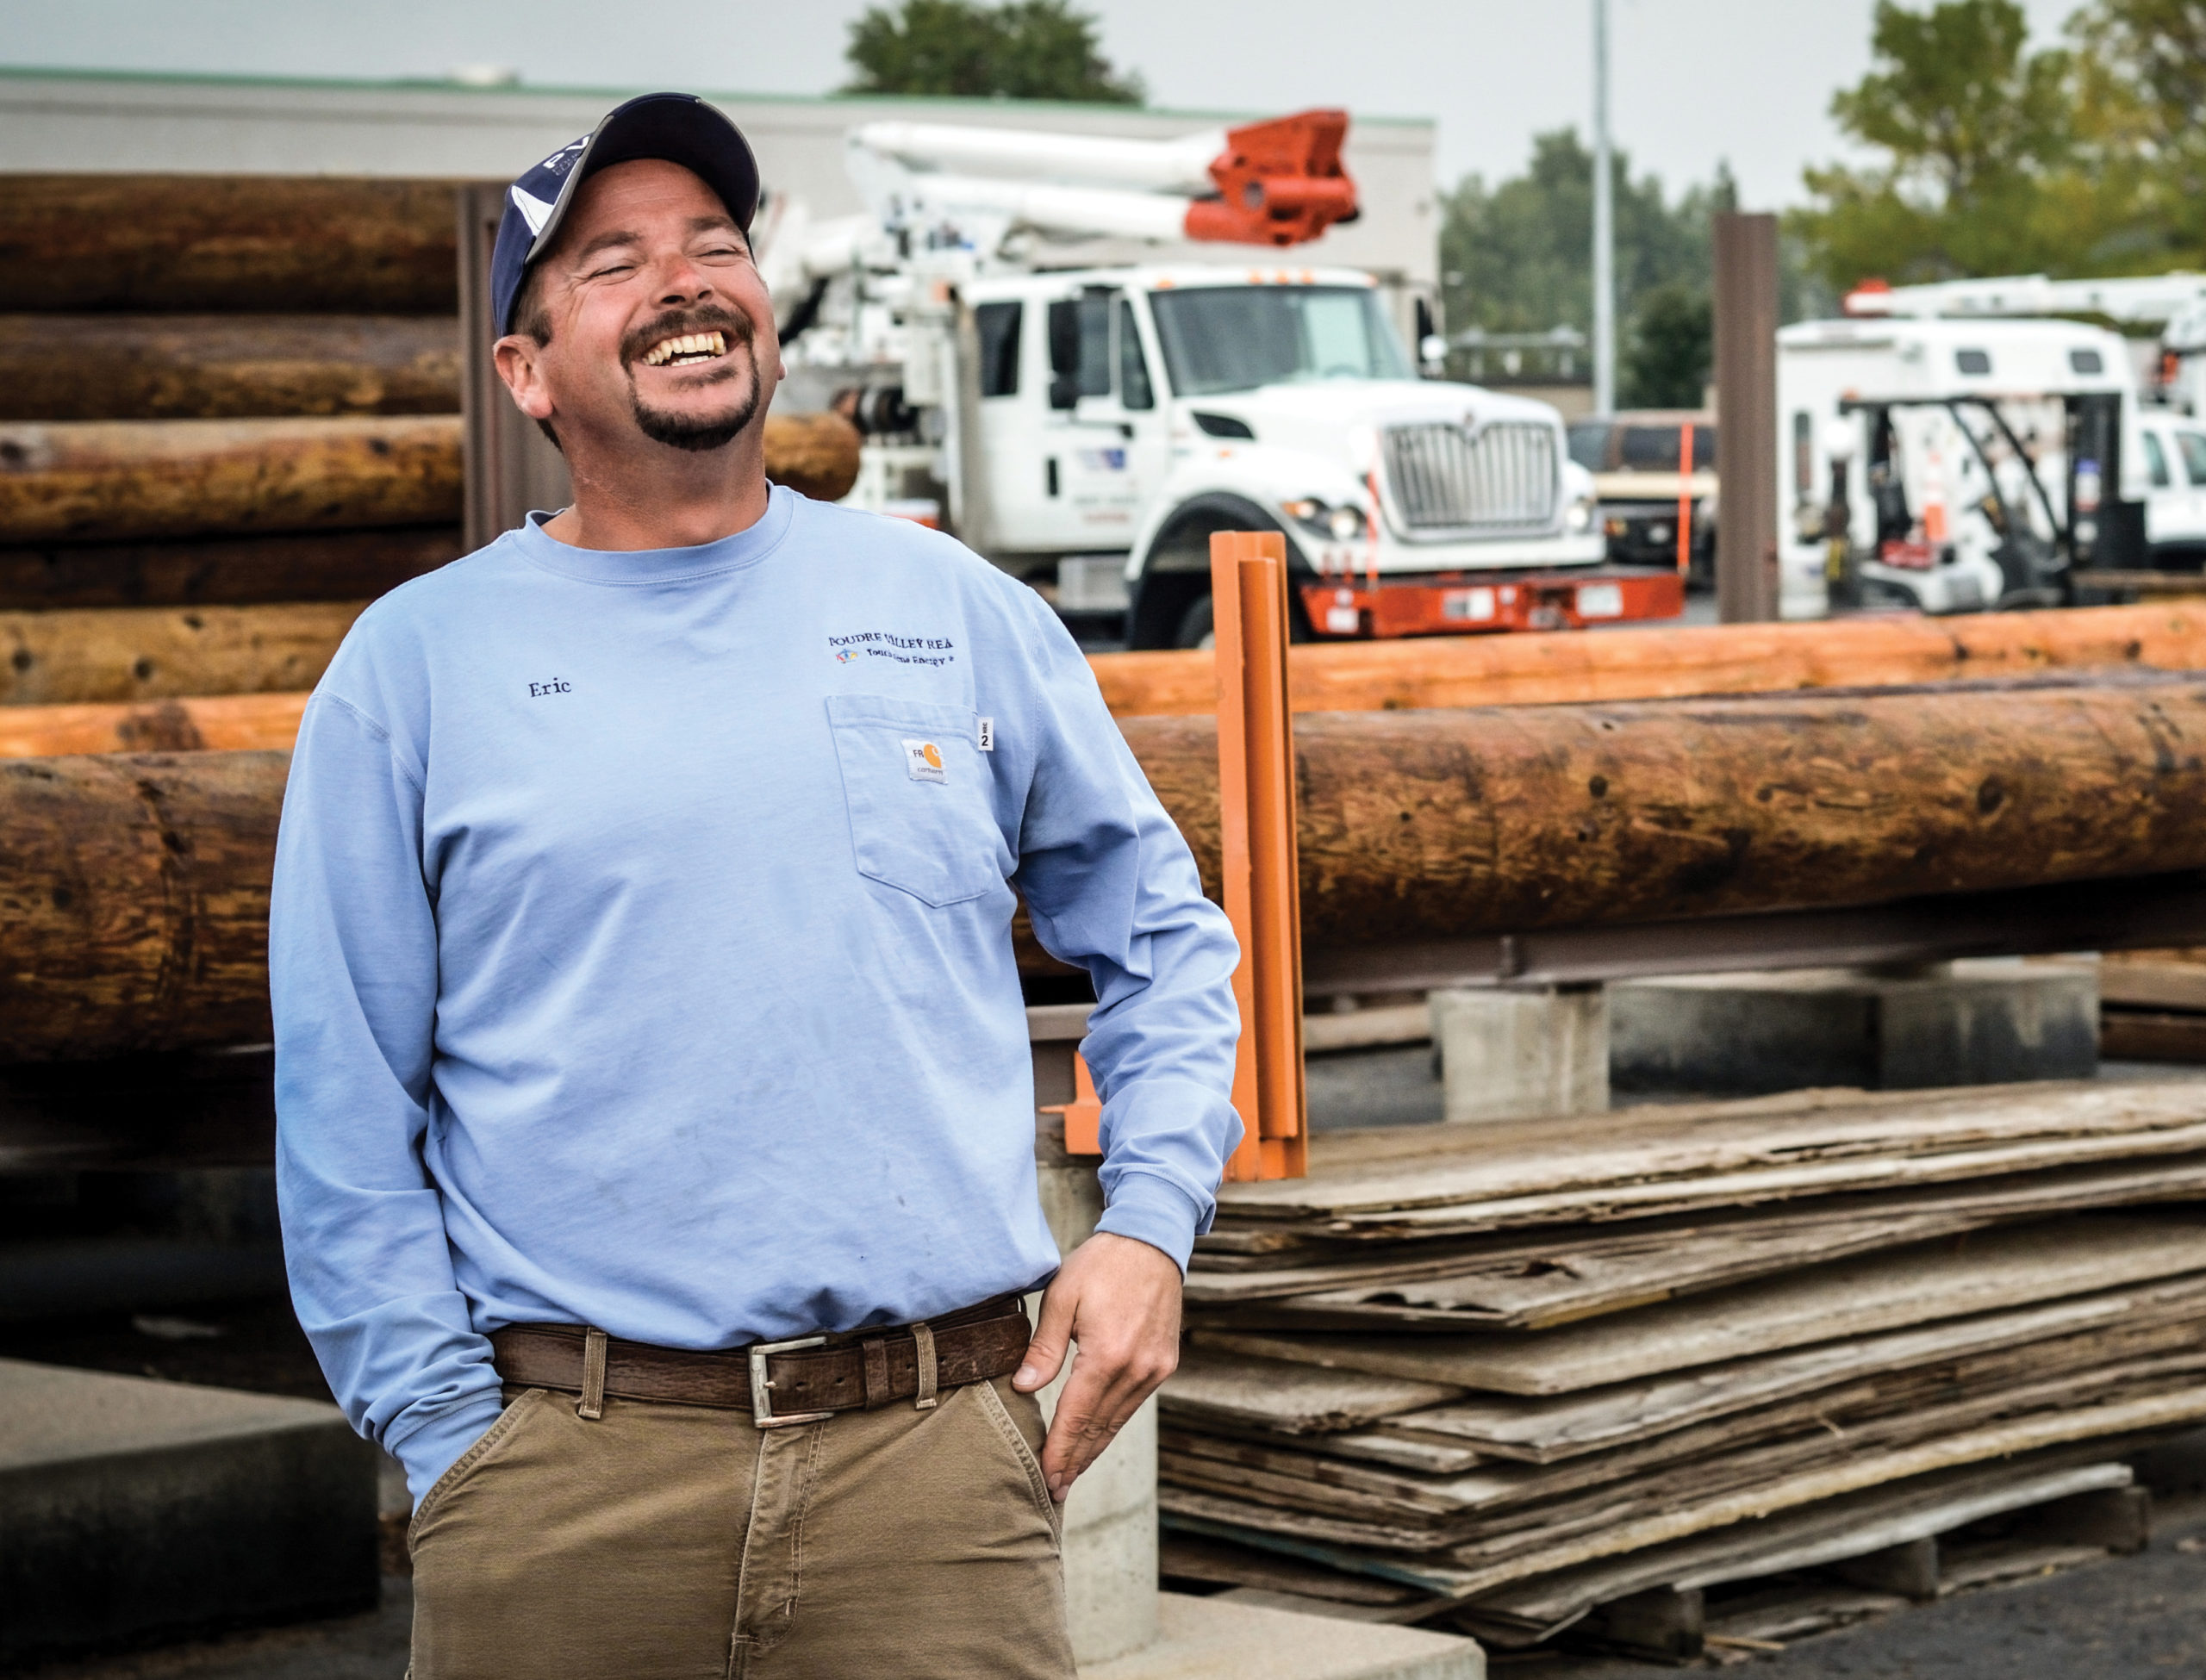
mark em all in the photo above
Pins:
pixel 655 1107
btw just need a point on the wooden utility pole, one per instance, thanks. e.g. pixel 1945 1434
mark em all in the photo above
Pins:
pixel 1746 406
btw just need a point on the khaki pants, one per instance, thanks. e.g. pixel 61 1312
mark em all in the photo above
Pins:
pixel 662 1541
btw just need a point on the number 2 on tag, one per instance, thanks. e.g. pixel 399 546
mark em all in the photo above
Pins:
pixel 988 739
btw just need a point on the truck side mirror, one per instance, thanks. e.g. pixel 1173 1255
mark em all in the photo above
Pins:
pixel 1064 353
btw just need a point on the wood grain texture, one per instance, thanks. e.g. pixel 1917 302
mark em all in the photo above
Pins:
pixel 248 243
pixel 135 654
pixel 1988 1272
pixel 1422 824
pixel 135 901
pixel 136 481
pixel 222 571
pixel 114 367
pixel 1560 666
pixel 248 723
pixel 119 481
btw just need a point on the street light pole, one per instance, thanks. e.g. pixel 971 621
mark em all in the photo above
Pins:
pixel 1604 231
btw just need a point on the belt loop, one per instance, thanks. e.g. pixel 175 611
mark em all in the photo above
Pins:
pixel 876 1351
pixel 925 1338
pixel 592 1405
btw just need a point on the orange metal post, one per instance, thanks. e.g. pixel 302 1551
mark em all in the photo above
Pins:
pixel 1684 498
pixel 1255 762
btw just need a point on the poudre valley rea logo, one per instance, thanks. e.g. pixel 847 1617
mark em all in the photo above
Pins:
pixel 904 650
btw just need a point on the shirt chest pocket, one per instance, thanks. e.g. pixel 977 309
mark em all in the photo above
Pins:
pixel 917 789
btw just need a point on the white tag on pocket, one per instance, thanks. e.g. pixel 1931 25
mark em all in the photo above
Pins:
pixel 923 761
pixel 988 739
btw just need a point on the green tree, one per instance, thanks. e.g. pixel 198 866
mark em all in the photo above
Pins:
pixel 1518 257
pixel 1022 49
pixel 1993 162
pixel 1671 354
pixel 2141 88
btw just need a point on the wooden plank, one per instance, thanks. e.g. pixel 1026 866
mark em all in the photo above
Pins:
pixel 1545 668
pixel 1780 1389
pixel 2109 1422
pixel 1292 1398
pixel 1853 1526
pixel 1999 1268
pixel 128 656
pixel 1499 1510
pixel 1606 1156
pixel 1188 1558
pixel 1533 1279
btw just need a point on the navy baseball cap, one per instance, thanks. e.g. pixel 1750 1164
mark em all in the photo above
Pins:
pixel 678 126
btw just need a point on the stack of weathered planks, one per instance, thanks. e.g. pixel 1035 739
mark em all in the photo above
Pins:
pixel 1518 1376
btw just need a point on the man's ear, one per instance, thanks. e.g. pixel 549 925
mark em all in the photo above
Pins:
pixel 516 357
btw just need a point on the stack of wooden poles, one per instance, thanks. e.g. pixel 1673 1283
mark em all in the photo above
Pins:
pixel 1595 1372
pixel 229 418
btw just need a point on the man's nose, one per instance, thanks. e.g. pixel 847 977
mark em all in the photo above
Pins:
pixel 680 281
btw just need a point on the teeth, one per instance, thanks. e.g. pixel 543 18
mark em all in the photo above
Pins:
pixel 688 343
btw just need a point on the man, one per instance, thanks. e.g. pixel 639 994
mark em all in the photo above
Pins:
pixel 646 1003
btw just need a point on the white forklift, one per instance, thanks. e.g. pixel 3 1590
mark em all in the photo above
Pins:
pixel 1090 428
pixel 1953 466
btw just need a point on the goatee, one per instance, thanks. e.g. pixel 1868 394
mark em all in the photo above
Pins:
pixel 695 433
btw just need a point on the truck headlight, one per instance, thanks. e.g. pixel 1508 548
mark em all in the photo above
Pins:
pixel 1582 515
pixel 1343 524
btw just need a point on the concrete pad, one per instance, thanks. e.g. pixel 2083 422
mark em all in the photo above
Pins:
pixel 1968 1023
pixel 1205 1638
pixel 132 1509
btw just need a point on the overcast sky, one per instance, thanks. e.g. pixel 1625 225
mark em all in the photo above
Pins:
pixel 1694 81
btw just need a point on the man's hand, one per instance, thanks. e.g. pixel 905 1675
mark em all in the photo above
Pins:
pixel 1119 1299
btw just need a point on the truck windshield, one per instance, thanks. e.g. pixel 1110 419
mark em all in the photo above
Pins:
pixel 1237 338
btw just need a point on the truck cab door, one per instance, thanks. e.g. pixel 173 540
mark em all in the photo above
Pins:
pixel 1093 442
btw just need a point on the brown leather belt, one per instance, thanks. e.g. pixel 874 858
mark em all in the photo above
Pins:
pixel 779 1382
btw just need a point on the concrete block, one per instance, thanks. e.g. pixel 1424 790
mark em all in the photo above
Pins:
pixel 1970 1023
pixel 132 1509
pixel 1512 1054
pixel 1206 1639
pixel 1110 1526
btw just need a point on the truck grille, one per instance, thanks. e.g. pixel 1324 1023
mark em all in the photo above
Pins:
pixel 1449 478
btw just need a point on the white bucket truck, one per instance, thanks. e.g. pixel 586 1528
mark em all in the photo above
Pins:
pixel 1979 463
pixel 1092 427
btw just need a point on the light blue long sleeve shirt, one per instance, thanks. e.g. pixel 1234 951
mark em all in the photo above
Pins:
pixel 641 956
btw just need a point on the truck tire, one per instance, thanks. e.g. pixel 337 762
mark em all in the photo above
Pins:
pixel 1172 596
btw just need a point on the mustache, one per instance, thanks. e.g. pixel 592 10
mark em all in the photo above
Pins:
pixel 733 325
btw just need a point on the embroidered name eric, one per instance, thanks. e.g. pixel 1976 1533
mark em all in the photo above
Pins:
pixel 558 685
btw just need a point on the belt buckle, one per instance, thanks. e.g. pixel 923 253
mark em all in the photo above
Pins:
pixel 761 1398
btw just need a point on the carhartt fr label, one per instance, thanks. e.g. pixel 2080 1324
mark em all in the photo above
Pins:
pixel 987 741
pixel 923 761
